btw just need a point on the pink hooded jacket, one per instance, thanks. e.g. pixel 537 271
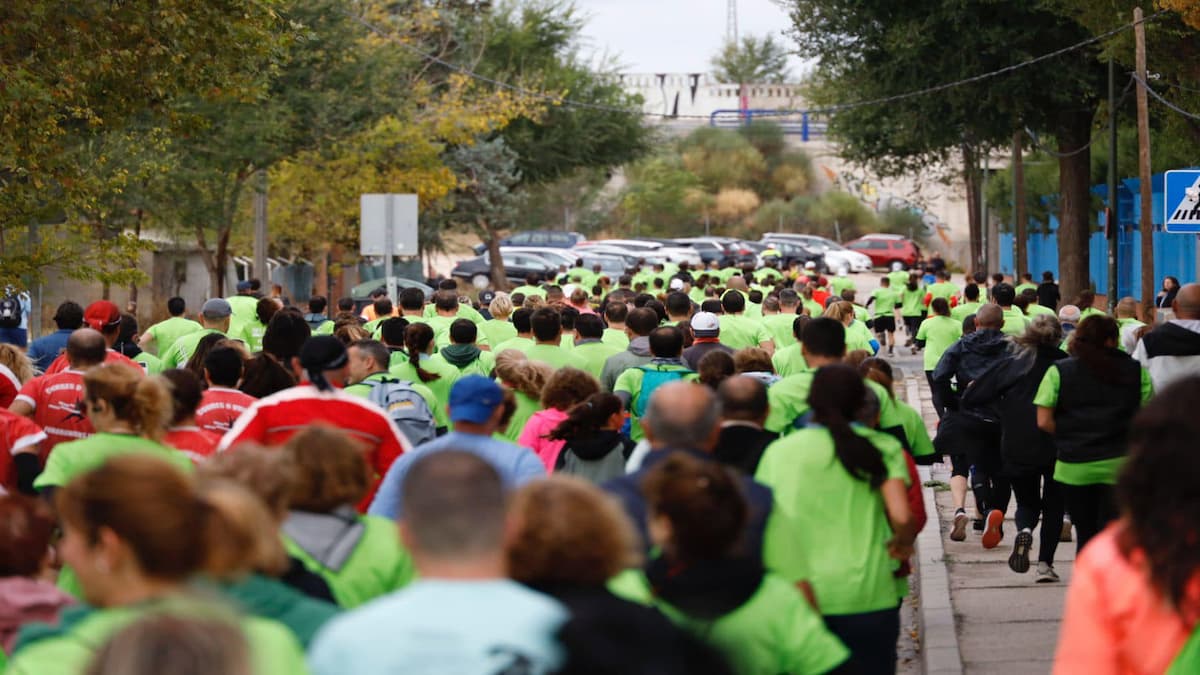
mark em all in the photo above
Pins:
pixel 540 424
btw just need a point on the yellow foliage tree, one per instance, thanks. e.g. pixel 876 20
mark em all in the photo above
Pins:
pixel 734 204
pixel 1188 10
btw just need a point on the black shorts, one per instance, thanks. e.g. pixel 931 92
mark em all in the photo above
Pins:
pixel 912 324
pixel 960 465
pixel 885 324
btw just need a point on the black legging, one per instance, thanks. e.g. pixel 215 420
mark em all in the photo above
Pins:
pixel 870 637
pixel 939 405
pixel 1092 508
pixel 991 488
pixel 1038 494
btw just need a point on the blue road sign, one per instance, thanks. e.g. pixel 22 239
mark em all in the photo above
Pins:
pixel 1181 199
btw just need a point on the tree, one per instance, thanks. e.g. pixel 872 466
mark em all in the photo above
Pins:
pixel 660 197
pixel 721 158
pixel 881 48
pixel 752 61
pixel 485 200
pixel 74 72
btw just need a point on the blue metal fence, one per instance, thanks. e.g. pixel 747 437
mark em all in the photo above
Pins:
pixel 1174 254
pixel 793 122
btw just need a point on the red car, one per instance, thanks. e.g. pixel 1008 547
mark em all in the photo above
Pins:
pixel 887 250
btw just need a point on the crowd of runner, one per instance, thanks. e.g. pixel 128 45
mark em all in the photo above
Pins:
pixel 674 471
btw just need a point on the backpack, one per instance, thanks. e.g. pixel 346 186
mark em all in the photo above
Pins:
pixel 653 378
pixel 10 312
pixel 407 409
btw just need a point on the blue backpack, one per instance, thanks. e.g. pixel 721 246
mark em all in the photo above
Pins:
pixel 653 378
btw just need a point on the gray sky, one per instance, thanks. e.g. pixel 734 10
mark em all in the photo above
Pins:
pixel 674 36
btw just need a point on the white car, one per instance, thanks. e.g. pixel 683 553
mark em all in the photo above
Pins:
pixel 645 249
pixel 836 255
pixel 561 256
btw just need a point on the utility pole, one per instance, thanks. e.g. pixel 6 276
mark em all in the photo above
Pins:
pixel 1143 124
pixel 1020 223
pixel 260 229
pixel 1113 223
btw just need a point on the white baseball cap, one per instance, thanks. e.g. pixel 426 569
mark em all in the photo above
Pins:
pixel 705 324
pixel 677 284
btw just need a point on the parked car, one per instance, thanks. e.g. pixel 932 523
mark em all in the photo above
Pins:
pixel 542 238
pixel 517 266
pixel 646 249
pixel 558 256
pixel 836 255
pixel 887 250
pixel 361 294
pixel 792 250
pixel 725 251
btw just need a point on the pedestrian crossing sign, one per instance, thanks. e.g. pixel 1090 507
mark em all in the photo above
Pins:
pixel 1181 199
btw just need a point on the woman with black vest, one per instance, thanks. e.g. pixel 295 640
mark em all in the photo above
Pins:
pixel 1088 402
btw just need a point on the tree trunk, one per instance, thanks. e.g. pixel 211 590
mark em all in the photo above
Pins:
pixel 321 274
pixel 495 262
pixel 1074 185
pixel 210 263
pixel 975 223
pixel 1020 222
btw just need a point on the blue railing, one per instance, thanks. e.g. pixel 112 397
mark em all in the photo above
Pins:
pixel 793 122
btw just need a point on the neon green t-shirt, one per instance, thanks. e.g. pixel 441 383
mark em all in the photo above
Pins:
pixel 828 526
pixel 1103 471
pixel 920 445
pixel 740 331
pixel 483 365
pixel 521 344
pixel 73 458
pixel 618 339
pixel 858 337
pixel 149 362
pixel 962 311
pixel 526 407
pixel 839 284
pixel 884 301
pixel 1038 310
pixel 497 331
pixel 447 376
pixel 912 303
pixel 779 327
pixel 1021 288
pixel 939 333
pixel 528 291
pixel 1015 322
pixel 775 631
pixel 183 348
pixel 898 278
pixel 165 333
pixel 464 311
pixel 594 353
pixel 789 360
pixel 555 356
pixel 441 418
pixel 788 400
pixel 943 289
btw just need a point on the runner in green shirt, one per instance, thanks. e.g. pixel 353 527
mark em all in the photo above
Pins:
pixel 739 331
pixel 912 308
pixel 944 288
pixel 366 371
pixel 759 621
pixel 780 325
pixel 163 334
pixel 530 287
pixel 969 305
pixel 215 317
pixel 1026 284
pixel 886 299
pixel 937 333
pixel 590 347
pixel 841 519
pixel 840 283
pixel 418 366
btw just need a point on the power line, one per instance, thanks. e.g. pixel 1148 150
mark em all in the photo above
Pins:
pixel 1160 99
pixel 564 102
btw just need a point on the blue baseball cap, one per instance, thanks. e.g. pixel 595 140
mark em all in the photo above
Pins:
pixel 474 398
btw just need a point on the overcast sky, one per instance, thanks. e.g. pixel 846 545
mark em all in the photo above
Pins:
pixel 674 36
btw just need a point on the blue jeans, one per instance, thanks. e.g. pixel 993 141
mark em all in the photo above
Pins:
pixel 14 336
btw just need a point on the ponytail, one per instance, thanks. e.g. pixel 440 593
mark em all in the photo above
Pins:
pixel 417 337
pixel 587 418
pixel 143 402
pixel 837 395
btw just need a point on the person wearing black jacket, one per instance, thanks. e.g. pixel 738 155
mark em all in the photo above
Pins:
pixel 743 412
pixel 971 434
pixel 1027 452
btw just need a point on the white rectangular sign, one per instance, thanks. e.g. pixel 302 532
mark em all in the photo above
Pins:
pixel 379 224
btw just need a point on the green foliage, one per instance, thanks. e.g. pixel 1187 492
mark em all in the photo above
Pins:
pixel 906 222
pixel 720 158
pixel 752 61
pixel 659 198
pixel 485 200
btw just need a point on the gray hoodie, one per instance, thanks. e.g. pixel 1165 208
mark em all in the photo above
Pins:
pixel 638 354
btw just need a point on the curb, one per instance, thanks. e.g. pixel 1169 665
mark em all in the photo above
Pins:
pixel 940 654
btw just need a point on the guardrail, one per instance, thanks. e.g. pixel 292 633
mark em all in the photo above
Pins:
pixel 793 122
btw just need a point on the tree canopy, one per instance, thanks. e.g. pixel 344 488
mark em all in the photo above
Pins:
pixel 753 60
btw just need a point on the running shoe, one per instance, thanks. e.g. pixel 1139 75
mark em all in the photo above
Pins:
pixel 1046 574
pixel 992 529
pixel 1065 534
pixel 959 533
pixel 1019 560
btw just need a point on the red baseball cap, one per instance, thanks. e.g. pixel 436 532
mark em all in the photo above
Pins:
pixel 102 314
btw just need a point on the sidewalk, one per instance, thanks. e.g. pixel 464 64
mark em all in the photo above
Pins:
pixel 1002 622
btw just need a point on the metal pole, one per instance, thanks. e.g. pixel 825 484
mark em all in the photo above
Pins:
pixel 260 229
pixel 389 245
pixel 1113 220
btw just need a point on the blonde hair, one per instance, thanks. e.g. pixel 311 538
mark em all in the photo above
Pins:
pixel 522 375
pixel 568 531
pixel 840 311
pixel 144 402
pixel 753 360
pixel 16 361
pixel 501 306
pixel 534 302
